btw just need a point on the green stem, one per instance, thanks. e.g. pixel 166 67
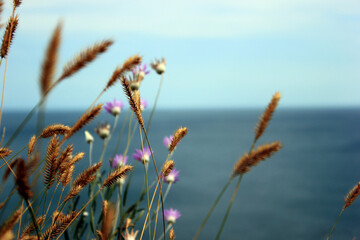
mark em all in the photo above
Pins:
pixel 337 220
pixel 229 208
pixel 156 100
pixel 33 218
pixel 121 132
pixel 212 209
pixel 90 153
pixel 167 191
pixel 147 184
pixel 167 229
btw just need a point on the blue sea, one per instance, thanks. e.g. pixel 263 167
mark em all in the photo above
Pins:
pixel 296 194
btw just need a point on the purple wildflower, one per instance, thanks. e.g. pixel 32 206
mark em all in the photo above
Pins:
pixel 167 141
pixel 114 107
pixel 173 176
pixel 140 72
pixel 171 215
pixel 142 157
pixel 118 161
pixel 143 104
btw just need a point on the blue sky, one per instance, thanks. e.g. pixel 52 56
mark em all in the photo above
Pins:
pixel 220 54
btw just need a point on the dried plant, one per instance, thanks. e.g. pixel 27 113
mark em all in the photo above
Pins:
pixel 266 116
pixel 4 152
pixel 60 225
pixel 17 3
pixel 86 118
pixel 134 100
pixel 116 175
pixel 178 135
pixel 8 169
pixel 8 225
pixel 85 57
pixel 167 167
pixel 51 161
pixel 247 161
pixel 50 61
pixel 31 227
pixel 127 66
pixel 172 234
pixel 352 195
pixel 87 176
pixel 56 129
pixel 22 180
pixel 108 222
pixel 9 35
pixel 31 146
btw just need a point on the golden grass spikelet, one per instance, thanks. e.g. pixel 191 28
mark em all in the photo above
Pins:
pixel 178 135
pixel 31 227
pixel 31 146
pixel 58 216
pixel 17 3
pixel 86 176
pixel 352 195
pixel 83 58
pixel 8 170
pixel 134 100
pixel 116 175
pixel 172 234
pixel 74 191
pixel 4 152
pixel 9 35
pixel 247 161
pixel 8 225
pixel 58 129
pixel 29 237
pixel 108 220
pixel 167 167
pixel 86 118
pixel 50 61
pixel 66 177
pixel 127 66
pixel 22 180
pixel 63 161
pixel 51 165
pixel 76 158
pixel 266 116
pixel 60 225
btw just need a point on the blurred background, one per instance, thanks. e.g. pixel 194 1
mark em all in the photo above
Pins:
pixel 225 59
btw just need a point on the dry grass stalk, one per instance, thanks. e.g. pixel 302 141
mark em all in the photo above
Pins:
pixel 8 225
pixel 352 195
pixel 31 227
pixel 84 119
pixel 178 135
pixel 2 205
pixel 100 235
pixel 4 152
pixel 76 158
pixel 17 3
pixel 64 159
pixel 85 57
pixel 86 176
pixel 108 220
pixel 50 60
pixel 8 169
pixel 29 237
pixel 116 175
pixel 167 167
pixel 66 177
pixel 57 129
pixel 58 216
pixel 31 146
pixel 9 35
pixel 134 100
pixel 22 180
pixel 172 234
pixel 74 191
pixel 266 116
pixel 127 66
pixel 60 225
pixel 247 161
pixel 51 165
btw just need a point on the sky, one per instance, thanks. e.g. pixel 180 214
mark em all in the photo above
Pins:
pixel 220 54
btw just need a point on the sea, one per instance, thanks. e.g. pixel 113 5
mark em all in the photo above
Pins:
pixel 296 194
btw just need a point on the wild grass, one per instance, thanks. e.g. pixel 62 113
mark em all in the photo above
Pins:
pixel 62 218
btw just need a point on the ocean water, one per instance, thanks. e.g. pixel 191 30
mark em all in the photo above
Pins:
pixel 296 194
